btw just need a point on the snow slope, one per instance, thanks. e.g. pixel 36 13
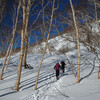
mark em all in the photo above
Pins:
pixel 49 88
pixel 55 44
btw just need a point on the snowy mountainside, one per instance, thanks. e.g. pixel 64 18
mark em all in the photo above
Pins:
pixel 55 44
pixel 67 40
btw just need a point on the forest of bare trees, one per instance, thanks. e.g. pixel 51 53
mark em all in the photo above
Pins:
pixel 37 19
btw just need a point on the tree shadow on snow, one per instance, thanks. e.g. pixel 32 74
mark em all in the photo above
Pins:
pixel 44 77
pixel 2 95
pixel 88 74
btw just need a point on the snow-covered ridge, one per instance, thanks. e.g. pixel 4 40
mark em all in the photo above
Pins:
pixel 55 44
pixel 67 40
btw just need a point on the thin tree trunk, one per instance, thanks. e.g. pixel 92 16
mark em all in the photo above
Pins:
pixel 49 49
pixel 95 10
pixel 98 28
pixel 98 71
pixel 11 44
pixel 37 43
pixel 70 65
pixel 45 27
pixel 1 75
pixel 8 59
pixel 14 30
pixel 45 47
pixel 78 43
pixel 22 51
pixel 26 33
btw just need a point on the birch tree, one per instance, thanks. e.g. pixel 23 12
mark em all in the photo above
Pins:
pixel 26 32
pixel 11 44
pixel 96 4
pixel 45 46
pixel 98 27
pixel 45 27
pixel 78 43
pixel 98 71
pixel 22 50
pixel 14 31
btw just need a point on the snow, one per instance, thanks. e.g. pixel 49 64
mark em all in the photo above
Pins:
pixel 57 42
pixel 66 88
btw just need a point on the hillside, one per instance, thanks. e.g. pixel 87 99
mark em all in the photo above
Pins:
pixel 49 88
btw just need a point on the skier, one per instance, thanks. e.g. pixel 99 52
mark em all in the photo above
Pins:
pixel 63 66
pixel 57 67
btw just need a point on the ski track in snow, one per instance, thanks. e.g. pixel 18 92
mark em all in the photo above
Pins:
pixel 48 87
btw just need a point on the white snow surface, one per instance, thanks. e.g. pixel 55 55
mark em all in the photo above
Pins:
pixel 48 88
pixel 66 88
pixel 59 42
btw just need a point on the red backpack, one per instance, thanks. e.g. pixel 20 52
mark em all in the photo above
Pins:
pixel 57 66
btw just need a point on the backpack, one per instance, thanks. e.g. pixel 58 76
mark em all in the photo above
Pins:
pixel 63 63
pixel 57 66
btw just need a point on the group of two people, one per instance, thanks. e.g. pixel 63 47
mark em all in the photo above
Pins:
pixel 58 66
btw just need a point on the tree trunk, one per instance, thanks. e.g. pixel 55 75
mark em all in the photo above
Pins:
pixel 70 65
pixel 22 50
pixel 98 71
pixel 45 47
pixel 95 10
pixel 37 44
pixel 45 28
pixel 26 33
pixel 78 43
pixel 8 59
pixel 14 30
pixel 1 75
pixel 11 44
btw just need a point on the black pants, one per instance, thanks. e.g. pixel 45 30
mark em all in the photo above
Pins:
pixel 57 73
pixel 63 70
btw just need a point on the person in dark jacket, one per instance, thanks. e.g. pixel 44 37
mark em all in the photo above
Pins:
pixel 57 67
pixel 63 66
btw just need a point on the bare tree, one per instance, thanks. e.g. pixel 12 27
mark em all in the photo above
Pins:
pixel 11 44
pixel 2 9
pixel 70 65
pixel 22 50
pixel 78 43
pixel 63 51
pixel 53 9
pixel 26 32
pixel 14 31
pixel 45 27
pixel 98 71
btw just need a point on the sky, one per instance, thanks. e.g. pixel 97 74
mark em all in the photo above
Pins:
pixel 61 26
pixel 8 20
pixel 62 6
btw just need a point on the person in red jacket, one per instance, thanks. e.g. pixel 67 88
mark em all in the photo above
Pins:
pixel 57 67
